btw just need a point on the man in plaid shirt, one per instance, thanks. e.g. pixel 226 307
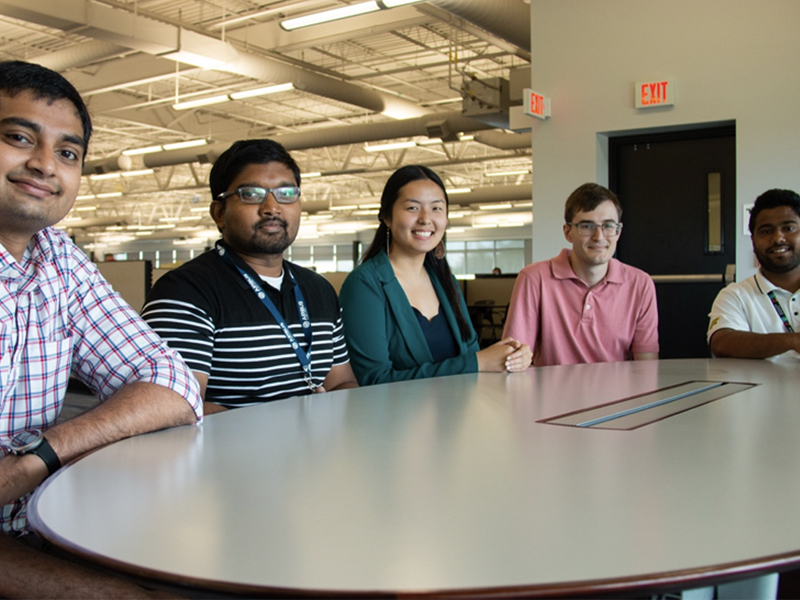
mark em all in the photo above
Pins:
pixel 59 317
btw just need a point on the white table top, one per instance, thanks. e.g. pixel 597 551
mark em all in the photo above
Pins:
pixel 450 485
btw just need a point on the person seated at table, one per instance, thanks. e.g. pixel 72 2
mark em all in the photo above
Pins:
pixel 60 318
pixel 404 314
pixel 584 306
pixel 252 326
pixel 758 317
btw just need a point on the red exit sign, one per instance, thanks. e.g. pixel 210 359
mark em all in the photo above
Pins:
pixel 536 105
pixel 655 93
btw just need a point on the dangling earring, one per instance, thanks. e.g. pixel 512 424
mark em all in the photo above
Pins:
pixel 388 240
pixel 440 250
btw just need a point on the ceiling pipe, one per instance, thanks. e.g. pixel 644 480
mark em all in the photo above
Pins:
pixel 115 162
pixel 79 55
pixel 505 141
pixel 497 193
pixel 431 125
pixel 509 20
pixel 100 21
pixel 131 31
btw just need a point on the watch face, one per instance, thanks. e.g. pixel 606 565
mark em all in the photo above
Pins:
pixel 25 440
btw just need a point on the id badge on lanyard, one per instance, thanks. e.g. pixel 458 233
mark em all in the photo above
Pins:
pixel 302 311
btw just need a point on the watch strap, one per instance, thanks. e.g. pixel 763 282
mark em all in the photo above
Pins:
pixel 48 455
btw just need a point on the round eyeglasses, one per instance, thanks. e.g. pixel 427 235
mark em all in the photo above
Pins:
pixel 250 194
pixel 587 228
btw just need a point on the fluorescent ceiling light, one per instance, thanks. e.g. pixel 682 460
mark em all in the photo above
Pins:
pixel 310 175
pixel 508 173
pixel 109 195
pixel 147 150
pixel 81 208
pixel 430 142
pixel 262 91
pixel 327 16
pixel 390 146
pixel 200 102
pixel 188 144
pixel 463 190
pixel 494 206
pixel 344 207
pixel 118 174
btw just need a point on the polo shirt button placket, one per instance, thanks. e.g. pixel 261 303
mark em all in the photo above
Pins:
pixel 587 308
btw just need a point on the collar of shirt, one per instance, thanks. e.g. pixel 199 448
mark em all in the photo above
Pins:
pixel 286 285
pixel 563 270
pixel 36 261
pixel 765 286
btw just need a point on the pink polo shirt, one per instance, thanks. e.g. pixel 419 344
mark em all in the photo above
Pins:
pixel 566 322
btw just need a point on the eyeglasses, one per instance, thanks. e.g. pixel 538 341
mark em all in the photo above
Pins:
pixel 250 194
pixel 587 228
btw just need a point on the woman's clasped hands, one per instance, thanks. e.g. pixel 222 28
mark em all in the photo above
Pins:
pixel 506 355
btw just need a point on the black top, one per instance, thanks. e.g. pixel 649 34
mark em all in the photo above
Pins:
pixel 438 335
pixel 206 311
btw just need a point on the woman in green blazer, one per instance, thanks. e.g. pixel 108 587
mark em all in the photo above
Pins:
pixel 404 314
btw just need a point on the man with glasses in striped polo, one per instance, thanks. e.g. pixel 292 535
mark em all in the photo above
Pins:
pixel 252 326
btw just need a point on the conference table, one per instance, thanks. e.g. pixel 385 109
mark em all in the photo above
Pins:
pixel 600 479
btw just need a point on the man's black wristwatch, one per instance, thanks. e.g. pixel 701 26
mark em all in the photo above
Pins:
pixel 34 442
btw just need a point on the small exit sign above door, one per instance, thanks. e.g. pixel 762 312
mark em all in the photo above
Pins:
pixel 536 105
pixel 654 93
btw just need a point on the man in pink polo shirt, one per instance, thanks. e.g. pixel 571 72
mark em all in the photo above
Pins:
pixel 583 306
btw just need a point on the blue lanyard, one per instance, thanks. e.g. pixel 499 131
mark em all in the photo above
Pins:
pixel 302 311
pixel 779 310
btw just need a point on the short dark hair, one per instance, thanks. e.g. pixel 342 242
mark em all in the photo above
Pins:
pixel 773 199
pixel 17 76
pixel 244 153
pixel 588 197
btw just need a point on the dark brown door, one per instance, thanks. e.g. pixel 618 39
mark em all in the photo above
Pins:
pixel 678 195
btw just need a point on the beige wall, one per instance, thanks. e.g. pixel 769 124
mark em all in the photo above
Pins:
pixel 731 60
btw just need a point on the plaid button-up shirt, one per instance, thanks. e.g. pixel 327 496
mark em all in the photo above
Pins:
pixel 58 316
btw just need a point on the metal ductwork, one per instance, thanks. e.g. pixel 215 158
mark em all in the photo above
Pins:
pixel 505 141
pixel 341 135
pixel 126 30
pixel 119 32
pixel 116 162
pixel 80 55
pixel 509 19
pixel 497 193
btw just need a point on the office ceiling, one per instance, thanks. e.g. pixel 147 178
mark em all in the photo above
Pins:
pixel 392 75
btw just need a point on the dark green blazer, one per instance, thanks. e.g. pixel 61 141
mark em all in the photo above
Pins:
pixel 384 339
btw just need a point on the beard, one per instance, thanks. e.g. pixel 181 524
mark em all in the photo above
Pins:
pixel 770 266
pixel 262 242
